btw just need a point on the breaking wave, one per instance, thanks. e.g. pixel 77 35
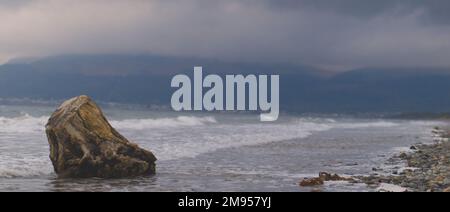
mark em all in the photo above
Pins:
pixel 12 167
pixel 22 124
pixel 29 124
pixel 171 138
pixel 380 124
pixel 180 121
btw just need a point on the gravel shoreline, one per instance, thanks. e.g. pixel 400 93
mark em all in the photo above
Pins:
pixel 428 169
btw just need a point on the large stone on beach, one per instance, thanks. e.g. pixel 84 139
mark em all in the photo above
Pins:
pixel 83 144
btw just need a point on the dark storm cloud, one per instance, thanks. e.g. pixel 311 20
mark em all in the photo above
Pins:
pixel 334 34
pixel 13 3
pixel 437 11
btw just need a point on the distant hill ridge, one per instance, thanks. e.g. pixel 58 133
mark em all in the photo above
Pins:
pixel 145 79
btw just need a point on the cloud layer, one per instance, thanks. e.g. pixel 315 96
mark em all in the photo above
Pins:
pixel 333 34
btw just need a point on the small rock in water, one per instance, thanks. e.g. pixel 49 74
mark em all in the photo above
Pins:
pixel 403 155
pixel 323 177
pixel 83 144
pixel 331 177
pixel 311 182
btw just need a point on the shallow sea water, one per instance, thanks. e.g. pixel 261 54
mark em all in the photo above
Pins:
pixel 213 152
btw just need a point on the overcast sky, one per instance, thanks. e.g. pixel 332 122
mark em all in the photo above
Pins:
pixel 331 34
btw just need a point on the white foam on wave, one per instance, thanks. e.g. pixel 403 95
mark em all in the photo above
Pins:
pixel 26 123
pixel 366 124
pixel 12 167
pixel 169 138
pixel 180 121
pixel 22 124
pixel 172 137
pixel 191 142
pixel 384 187
pixel 175 137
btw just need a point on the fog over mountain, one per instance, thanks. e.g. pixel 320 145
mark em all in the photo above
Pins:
pixel 337 35
pixel 145 79
pixel 331 55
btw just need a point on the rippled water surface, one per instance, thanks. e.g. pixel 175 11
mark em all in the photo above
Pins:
pixel 212 152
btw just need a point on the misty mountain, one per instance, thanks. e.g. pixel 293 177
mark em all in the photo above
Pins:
pixel 380 90
pixel 144 79
pixel 137 79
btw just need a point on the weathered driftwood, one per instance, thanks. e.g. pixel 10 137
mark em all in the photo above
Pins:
pixel 83 144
